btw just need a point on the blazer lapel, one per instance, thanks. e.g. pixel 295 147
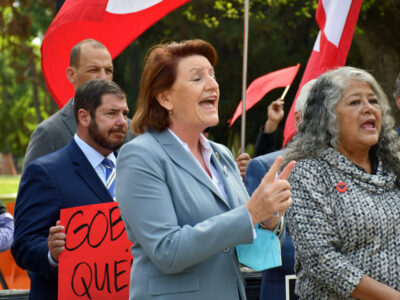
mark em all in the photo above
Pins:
pixel 180 156
pixel 227 178
pixel 87 173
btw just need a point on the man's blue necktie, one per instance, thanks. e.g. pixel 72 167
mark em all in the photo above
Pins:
pixel 110 175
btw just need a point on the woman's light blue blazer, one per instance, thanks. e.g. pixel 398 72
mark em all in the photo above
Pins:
pixel 184 232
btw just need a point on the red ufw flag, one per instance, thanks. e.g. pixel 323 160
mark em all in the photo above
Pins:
pixel 114 23
pixel 336 20
pixel 263 85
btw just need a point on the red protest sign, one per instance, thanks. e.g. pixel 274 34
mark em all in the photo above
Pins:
pixel 97 259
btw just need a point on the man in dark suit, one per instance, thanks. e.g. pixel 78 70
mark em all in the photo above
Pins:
pixel 273 280
pixel 76 175
pixel 89 59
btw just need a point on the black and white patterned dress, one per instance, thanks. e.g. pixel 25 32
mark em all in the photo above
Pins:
pixel 344 223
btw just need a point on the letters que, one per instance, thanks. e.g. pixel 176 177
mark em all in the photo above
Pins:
pixel 97 240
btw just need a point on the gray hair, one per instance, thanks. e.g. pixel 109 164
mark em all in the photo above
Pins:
pixel 397 88
pixel 303 95
pixel 320 129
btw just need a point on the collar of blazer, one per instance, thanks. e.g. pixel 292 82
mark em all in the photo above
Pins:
pixel 87 173
pixel 180 156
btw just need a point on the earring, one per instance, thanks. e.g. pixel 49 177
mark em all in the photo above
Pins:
pixel 170 112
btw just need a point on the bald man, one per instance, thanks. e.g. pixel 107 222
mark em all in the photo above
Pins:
pixel 89 59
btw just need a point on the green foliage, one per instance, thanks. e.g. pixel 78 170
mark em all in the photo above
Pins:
pixel 272 45
pixel 23 96
pixel 281 34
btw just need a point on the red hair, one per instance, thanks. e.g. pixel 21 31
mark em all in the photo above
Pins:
pixel 159 74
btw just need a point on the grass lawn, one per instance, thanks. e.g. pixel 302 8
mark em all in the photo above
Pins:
pixel 8 184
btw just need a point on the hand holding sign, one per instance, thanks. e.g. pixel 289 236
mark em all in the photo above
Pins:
pixel 56 240
pixel 272 195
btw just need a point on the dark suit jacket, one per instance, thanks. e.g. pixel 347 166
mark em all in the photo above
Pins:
pixel 54 133
pixel 265 143
pixel 273 280
pixel 59 180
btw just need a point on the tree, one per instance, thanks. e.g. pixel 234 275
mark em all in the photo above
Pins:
pixel 282 33
pixel 24 100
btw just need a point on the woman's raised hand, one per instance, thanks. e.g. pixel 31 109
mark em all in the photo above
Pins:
pixel 272 197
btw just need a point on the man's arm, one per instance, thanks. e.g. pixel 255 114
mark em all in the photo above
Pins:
pixel 40 143
pixel 254 174
pixel 37 209
pixel 265 142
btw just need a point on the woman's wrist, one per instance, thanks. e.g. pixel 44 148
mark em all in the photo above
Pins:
pixel 369 288
pixel 270 126
pixel 277 227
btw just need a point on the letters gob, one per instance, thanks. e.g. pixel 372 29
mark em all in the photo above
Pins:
pixel 94 233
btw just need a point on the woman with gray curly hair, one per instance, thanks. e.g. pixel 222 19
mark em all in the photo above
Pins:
pixel 344 220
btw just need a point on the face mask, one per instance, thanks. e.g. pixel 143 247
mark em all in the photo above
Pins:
pixel 264 253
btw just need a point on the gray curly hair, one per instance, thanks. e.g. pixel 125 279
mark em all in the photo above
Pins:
pixel 320 129
pixel 397 87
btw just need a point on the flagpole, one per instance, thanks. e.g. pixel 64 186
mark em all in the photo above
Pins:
pixel 244 75
pixel 285 92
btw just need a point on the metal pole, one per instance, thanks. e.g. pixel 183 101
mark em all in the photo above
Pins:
pixel 244 75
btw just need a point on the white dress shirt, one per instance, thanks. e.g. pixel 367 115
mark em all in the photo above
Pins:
pixel 95 158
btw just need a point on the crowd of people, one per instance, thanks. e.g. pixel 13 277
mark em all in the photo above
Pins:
pixel 332 195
